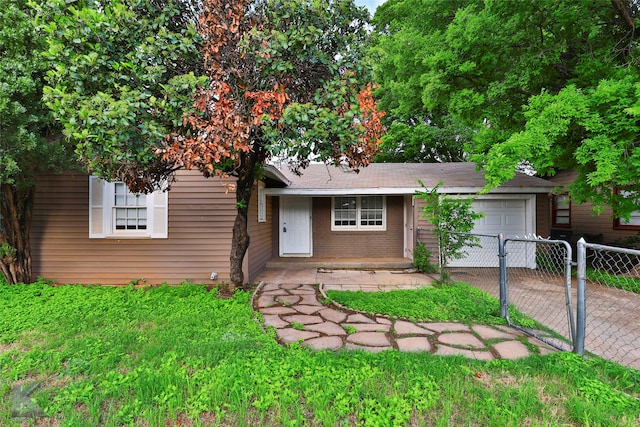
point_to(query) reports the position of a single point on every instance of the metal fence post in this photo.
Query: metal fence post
(504, 297)
(567, 282)
(578, 340)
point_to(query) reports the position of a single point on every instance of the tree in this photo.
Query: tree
(29, 139)
(277, 78)
(553, 83)
(453, 218)
(417, 140)
(415, 133)
(285, 79)
(123, 77)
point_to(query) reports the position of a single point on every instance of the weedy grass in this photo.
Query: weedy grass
(625, 282)
(446, 302)
(167, 356)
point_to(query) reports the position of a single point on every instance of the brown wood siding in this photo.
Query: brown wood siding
(543, 215)
(201, 217)
(423, 231)
(260, 249)
(595, 228)
(358, 244)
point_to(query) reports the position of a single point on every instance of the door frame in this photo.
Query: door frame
(409, 235)
(281, 225)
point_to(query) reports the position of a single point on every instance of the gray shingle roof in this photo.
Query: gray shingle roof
(402, 178)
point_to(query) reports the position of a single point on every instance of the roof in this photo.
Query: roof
(400, 178)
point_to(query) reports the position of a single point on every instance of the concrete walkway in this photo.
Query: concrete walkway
(296, 313)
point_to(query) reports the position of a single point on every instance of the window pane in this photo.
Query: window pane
(345, 212)
(131, 218)
(371, 202)
(562, 202)
(345, 203)
(371, 211)
(634, 220)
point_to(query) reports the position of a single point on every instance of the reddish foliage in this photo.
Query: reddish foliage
(230, 112)
(361, 153)
(270, 103)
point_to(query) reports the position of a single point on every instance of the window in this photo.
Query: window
(633, 223)
(262, 203)
(115, 212)
(561, 206)
(358, 213)
(129, 209)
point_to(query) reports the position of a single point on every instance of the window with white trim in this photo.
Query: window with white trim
(129, 209)
(358, 213)
(116, 212)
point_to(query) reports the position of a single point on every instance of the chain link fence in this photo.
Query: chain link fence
(609, 285)
(596, 310)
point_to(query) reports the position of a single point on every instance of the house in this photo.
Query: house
(570, 221)
(86, 230)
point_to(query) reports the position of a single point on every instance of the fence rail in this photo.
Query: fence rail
(589, 307)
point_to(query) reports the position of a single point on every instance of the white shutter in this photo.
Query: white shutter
(262, 202)
(101, 206)
(97, 214)
(158, 206)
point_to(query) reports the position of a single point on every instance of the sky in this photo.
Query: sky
(370, 4)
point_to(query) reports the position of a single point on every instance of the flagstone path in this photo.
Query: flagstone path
(295, 311)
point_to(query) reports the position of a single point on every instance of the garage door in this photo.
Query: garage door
(508, 217)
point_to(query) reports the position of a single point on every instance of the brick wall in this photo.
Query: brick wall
(358, 244)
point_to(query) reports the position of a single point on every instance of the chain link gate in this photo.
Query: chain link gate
(535, 280)
(533, 277)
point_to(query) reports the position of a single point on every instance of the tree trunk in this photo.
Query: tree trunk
(16, 207)
(240, 240)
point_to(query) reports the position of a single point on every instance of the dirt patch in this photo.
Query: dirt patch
(6, 348)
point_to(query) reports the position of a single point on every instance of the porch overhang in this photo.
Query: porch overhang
(393, 191)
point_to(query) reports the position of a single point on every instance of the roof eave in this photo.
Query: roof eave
(391, 191)
(274, 173)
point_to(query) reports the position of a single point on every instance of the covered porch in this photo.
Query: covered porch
(341, 263)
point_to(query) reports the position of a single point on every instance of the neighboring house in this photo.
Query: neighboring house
(570, 221)
(89, 231)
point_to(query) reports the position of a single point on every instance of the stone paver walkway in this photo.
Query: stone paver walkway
(296, 313)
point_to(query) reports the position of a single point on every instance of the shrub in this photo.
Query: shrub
(421, 256)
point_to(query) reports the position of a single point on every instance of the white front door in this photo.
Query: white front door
(295, 226)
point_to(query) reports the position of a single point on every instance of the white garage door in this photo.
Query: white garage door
(508, 217)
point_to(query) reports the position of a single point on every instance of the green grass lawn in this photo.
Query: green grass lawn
(180, 356)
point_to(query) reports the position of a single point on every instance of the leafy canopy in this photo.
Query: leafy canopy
(286, 78)
(124, 74)
(552, 83)
(416, 132)
(27, 132)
